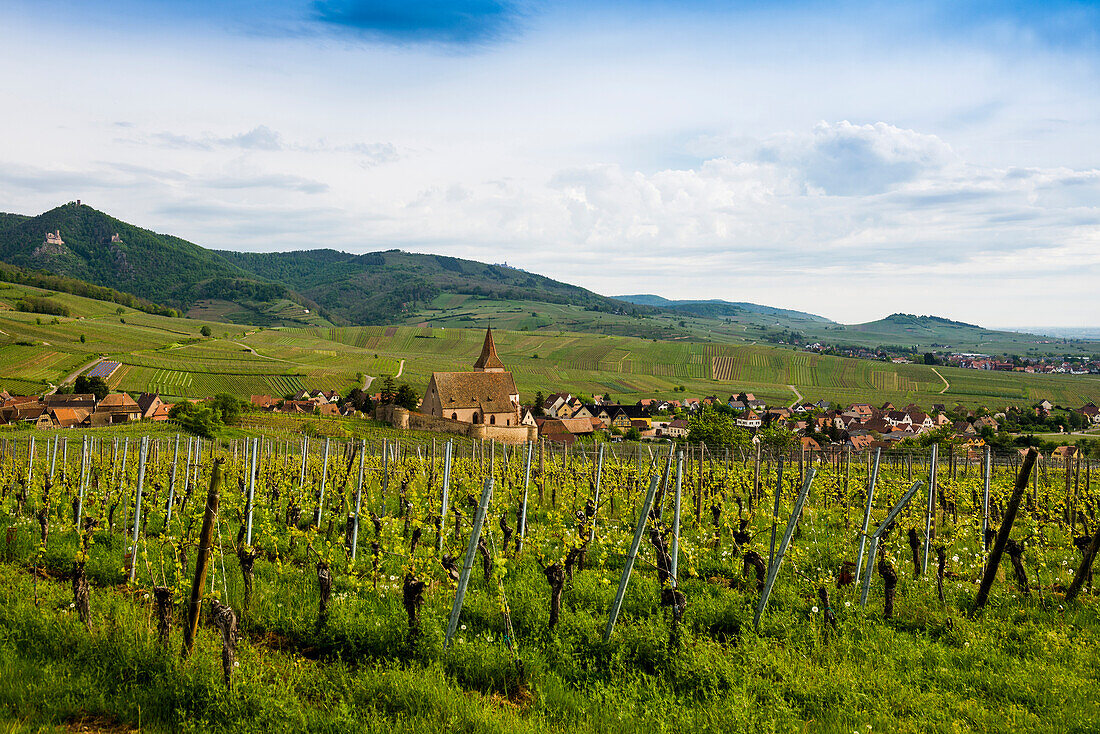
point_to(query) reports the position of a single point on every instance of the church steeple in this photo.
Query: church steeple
(488, 361)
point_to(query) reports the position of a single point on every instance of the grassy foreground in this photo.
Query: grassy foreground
(1022, 665)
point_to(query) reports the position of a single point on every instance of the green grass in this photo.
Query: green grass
(1024, 663)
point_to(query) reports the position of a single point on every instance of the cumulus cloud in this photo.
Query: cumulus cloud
(843, 159)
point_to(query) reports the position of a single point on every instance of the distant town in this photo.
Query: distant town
(484, 402)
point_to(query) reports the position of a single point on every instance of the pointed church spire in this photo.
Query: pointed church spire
(489, 361)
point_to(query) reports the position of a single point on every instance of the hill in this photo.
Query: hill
(378, 287)
(95, 247)
(719, 309)
(323, 288)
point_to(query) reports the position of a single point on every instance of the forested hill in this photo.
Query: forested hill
(100, 249)
(263, 288)
(375, 287)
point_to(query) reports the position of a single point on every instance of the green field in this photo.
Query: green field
(170, 356)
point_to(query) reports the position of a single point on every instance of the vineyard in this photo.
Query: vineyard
(170, 583)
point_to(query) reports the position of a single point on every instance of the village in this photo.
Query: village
(485, 402)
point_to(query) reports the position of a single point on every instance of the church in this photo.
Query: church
(487, 395)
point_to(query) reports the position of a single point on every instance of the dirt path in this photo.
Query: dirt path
(75, 374)
(400, 369)
(946, 384)
(798, 396)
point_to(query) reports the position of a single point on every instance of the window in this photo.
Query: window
(476, 418)
(454, 416)
(492, 420)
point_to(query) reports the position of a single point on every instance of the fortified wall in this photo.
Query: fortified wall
(403, 418)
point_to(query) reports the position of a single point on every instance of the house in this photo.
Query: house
(1090, 411)
(487, 395)
(68, 417)
(860, 442)
(297, 406)
(528, 418)
(148, 403)
(808, 444)
(74, 400)
(1046, 405)
(115, 408)
(985, 422)
(553, 403)
(552, 429)
(677, 429)
(862, 410)
(1064, 452)
(963, 428)
(582, 412)
(577, 426)
(263, 402)
(749, 420)
(692, 404)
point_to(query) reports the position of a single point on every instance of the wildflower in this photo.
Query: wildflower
(236, 663)
(955, 559)
(814, 610)
(463, 627)
(847, 603)
(71, 605)
(393, 578)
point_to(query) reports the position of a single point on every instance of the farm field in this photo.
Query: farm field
(171, 356)
(341, 630)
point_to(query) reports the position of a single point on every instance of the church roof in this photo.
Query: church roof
(488, 359)
(490, 391)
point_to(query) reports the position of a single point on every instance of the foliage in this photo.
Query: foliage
(97, 386)
(201, 419)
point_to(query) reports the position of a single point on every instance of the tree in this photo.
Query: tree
(228, 407)
(715, 428)
(205, 331)
(633, 434)
(406, 397)
(97, 386)
(930, 359)
(538, 411)
(778, 438)
(201, 419)
(389, 390)
(82, 339)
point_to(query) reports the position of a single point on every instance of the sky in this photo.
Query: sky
(848, 159)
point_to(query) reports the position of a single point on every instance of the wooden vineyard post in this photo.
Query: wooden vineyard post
(172, 485)
(468, 563)
(84, 462)
(867, 516)
(775, 507)
(205, 541)
(1006, 527)
(756, 476)
(596, 501)
(882, 528)
(987, 479)
(698, 491)
(673, 567)
(321, 497)
(359, 498)
(930, 510)
(526, 487)
(773, 568)
(1085, 568)
(251, 491)
(137, 506)
(386, 472)
(444, 499)
(624, 579)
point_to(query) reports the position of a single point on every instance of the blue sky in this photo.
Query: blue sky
(849, 159)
